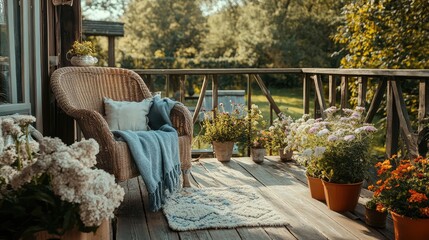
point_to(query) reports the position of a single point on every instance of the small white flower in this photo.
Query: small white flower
(322, 132)
(332, 138)
(349, 138)
(318, 151)
(307, 152)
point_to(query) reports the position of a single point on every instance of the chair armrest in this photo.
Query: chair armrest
(93, 125)
(182, 120)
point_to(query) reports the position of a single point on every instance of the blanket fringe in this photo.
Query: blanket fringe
(172, 180)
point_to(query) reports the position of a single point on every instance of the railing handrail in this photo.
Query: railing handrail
(398, 119)
(332, 71)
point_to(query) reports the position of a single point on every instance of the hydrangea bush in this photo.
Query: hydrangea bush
(49, 185)
(337, 148)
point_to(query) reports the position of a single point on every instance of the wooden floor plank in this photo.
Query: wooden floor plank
(230, 234)
(157, 223)
(276, 233)
(356, 228)
(131, 220)
(253, 233)
(298, 173)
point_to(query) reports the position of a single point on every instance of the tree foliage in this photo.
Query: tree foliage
(385, 34)
(163, 28)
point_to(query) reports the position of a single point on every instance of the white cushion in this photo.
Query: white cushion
(123, 115)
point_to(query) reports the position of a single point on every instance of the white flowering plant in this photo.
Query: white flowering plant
(279, 131)
(257, 134)
(337, 148)
(49, 186)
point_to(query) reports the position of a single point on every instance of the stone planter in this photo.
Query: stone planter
(258, 154)
(223, 150)
(83, 61)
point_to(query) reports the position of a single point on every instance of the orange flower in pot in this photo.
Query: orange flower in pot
(403, 188)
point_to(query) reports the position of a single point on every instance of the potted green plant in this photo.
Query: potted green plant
(337, 149)
(223, 129)
(402, 188)
(82, 54)
(50, 187)
(279, 130)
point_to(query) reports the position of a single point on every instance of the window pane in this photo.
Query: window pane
(10, 53)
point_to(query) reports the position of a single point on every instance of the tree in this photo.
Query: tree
(103, 9)
(163, 28)
(385, 34)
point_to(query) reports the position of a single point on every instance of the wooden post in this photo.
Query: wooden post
(423, 102)
(408, 135)
(111, 51)
(267, 94)
(344, 89)
(319, 96)
(362, 85)
(332, 90)
(306, 94)
(376, 100)
(214, 92)
(392, 131)
(200, 99)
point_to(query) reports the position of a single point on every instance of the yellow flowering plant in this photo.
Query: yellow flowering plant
(221, 126)
(81, 49)
(403, 186)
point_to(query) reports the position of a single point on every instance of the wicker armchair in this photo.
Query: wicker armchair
(79, 91)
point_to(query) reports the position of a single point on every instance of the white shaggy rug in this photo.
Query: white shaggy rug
(194, 208)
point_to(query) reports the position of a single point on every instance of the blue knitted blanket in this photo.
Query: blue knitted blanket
(156, 152)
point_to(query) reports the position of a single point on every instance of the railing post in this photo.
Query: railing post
(423, 102)
(182, 88)
(306, 93)
(344, 89)
(392, 131)
(320, 97)
(362, 85)
(214, 93)
(332, 90)
(200, 99)
(249, 105)
(167, 85)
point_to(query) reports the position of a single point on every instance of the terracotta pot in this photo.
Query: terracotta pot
(409, 228)
(342, 197)
(103, 232)
(223, 150)
(258, 154)
(375, 218)
(285, 156)
(316, 188)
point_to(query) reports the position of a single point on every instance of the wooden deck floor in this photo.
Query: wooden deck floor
(283, 184)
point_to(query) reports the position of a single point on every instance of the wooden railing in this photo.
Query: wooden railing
(328, 80)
